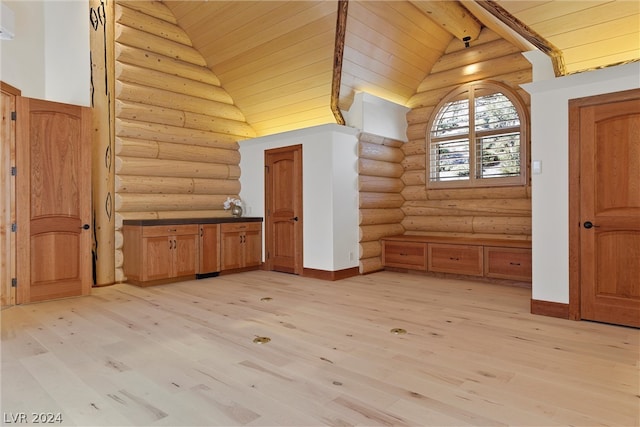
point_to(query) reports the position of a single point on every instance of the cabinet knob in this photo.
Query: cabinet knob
(86, 227)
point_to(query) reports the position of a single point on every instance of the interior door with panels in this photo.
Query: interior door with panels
(53, 201)
(605, 208)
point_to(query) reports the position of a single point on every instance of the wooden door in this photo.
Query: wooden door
(283, 200)
(7, 195)
(53, 185)
(605, 132)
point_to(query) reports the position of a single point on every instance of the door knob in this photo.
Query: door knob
(588, 224)
(295, 218)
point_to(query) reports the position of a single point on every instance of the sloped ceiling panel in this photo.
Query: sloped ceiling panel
(390, 48)
(275, 58)
(590, 34)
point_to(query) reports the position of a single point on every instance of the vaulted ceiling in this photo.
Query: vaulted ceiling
(276, 58)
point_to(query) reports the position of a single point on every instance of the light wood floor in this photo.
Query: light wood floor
(183, 354)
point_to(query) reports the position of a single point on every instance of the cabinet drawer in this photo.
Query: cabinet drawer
(508, 263)
(460, 259)
(405, 255)
(169, 230)
(240, 226)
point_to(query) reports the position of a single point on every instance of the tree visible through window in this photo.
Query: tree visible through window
(477, 137)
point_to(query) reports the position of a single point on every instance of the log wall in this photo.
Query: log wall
(503, 212)
(176, 129)
(380, 189)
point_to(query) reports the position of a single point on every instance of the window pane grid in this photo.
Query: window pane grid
(498, 156)
(453, 119)
(450, 160)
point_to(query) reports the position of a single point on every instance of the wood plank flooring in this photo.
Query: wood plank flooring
(183, 354)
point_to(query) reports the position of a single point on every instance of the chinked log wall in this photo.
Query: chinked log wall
(176, 128)
(503, 212)
(380, 188)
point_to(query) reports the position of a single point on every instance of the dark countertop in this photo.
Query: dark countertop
(180, 221)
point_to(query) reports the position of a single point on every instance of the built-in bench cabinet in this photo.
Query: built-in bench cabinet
(493, 258)
(168, 250)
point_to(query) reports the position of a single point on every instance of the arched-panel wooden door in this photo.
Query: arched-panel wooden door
(53, 186)
(605, 208)
(283, 200)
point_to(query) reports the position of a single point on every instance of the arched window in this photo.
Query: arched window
(477, 137)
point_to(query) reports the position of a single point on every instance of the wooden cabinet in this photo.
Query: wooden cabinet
(209, 245)
(493, 258)
(459, 259)
(507, 263)
(240, 245)
(160, 253)
(411, 255)
(179, 249)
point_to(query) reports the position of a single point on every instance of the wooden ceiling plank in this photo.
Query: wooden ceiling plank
(402, 17)
(452, 16)
(602, 49)
(254, 90)
(516, 6)
(270, 67)
(379, 40)
(606, 30)
(269, 26)
(394, 74)
(204, 32)
(551, 10)
(269, 106)
(279, 51)
(587, 17)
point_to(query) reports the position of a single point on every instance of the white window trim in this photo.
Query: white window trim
(473, 182)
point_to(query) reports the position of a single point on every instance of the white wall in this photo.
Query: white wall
(550, 189)
(330, 191)
(49, 58)
(378, 116)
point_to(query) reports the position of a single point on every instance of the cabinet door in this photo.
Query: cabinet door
(252, 243)
(459, 259)
(158, 258)
(185, 255)
(411, 255)
(209, 248)
(507, 263)
(231, 249)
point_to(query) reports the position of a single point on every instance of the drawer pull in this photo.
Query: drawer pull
(454, 259)
(402, 254)
(514, 263)
(172, 230)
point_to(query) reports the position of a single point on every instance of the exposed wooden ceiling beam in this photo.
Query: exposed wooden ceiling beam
(507, 26)
(452, 17)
